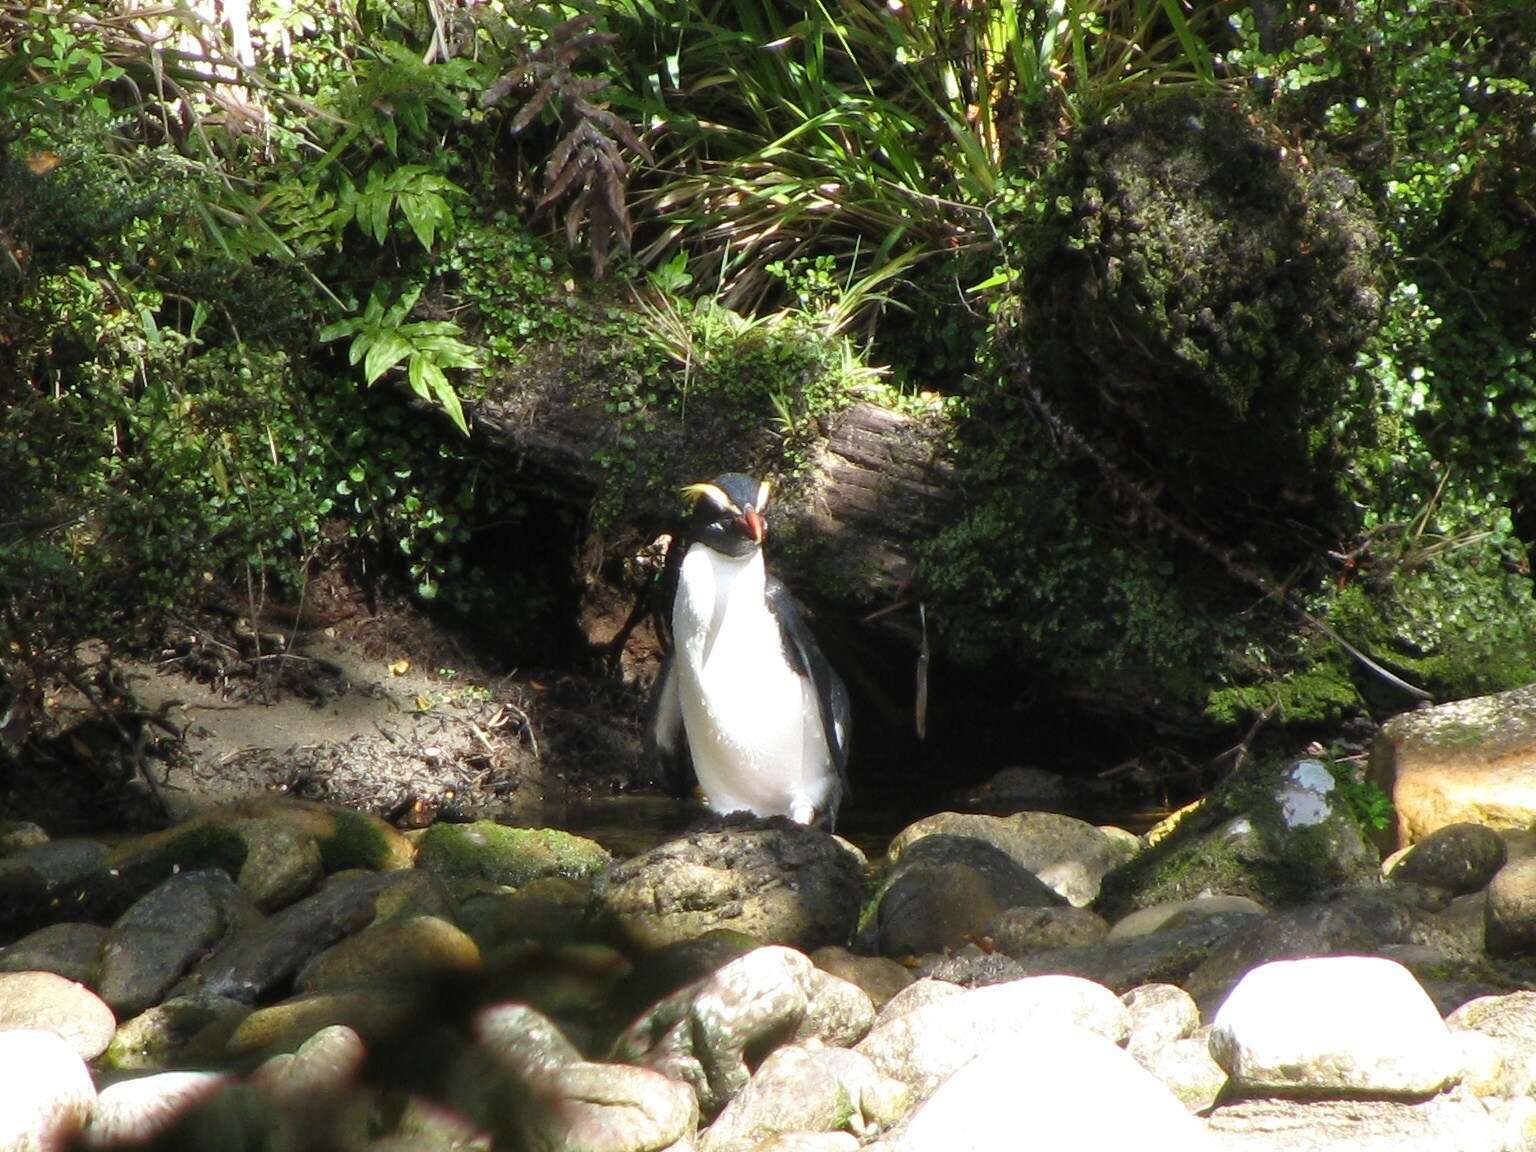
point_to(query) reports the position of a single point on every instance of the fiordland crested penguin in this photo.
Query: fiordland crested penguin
(766, 718)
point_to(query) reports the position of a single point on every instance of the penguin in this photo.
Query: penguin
(747, 695)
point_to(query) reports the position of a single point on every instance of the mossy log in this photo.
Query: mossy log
(867, 490)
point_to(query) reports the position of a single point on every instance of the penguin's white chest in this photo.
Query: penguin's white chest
(753, 723)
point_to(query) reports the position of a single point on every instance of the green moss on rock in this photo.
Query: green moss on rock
(486, 850)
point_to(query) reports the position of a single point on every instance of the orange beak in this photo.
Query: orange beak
(753, 523)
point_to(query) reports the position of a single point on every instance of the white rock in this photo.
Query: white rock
(1450, 1122)
(134, 1111)
(53, 1004)
(927, 1044)
(1187, 1069)
(1160, 1014)
(1333, 1026)
(1060, 1089)
(46, 1094)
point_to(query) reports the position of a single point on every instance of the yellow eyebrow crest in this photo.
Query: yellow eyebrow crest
(713, 493)
(763, 490)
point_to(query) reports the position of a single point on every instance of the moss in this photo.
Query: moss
(1318, 693)
(362, 840)
(511, 856)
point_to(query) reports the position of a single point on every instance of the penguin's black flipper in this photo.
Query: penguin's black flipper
(666, 744)
(805, 656)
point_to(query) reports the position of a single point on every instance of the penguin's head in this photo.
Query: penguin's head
(728, 514)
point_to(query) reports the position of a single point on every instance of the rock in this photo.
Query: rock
(19, 835)
(808, 1142)
(1177, 913)
(69, 950)
(372, 1013)
(1067, 855)
(1160, 1014)
(250, 963)
(138, 1111)
(1276, 833)
(321, 1069)
(659, 973)
(923, 1046)
(159, 1036)
(163, 933)
(539, 1093)
(486, 850)
(1333, 1026)
(1509, 915)
(945, 889)
(701, 1034)
(1458, 858)
(49, 1003)
(404, 950)
(779, 882)
(282, 862)
(1452, 1122)
(913, 997)
(549, 911)
(1470, 761)
(808, 1090)
(1066, 1087)
(1020, 931)
(1169, 955)
(879, 977)
(54, 881)
(1185, 1067)
(46, 1094)
(970, 967)
(1358, 922)
(1508, 1023)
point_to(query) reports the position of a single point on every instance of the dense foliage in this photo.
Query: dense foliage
(1232, 305)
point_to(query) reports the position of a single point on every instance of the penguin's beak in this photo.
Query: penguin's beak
(752, 524)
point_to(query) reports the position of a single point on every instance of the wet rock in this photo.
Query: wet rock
(1509, 915)
(137, 1111)
(372, 1013)
(923, 1046)
(1178, 913)
(1452, 1122)
(1359, 922)
(1458, 858)
(808, 1090)
(403, 950)
(68, 950)
(46, 1094)
(1070, 1088)
(1016, 788)
(1169, 955)
(1185, 1067)
(19, 835)
(282, 862)
(550, 911)
(1160, 1014)
(486, 850)
(1466, 761)
(163, 933)
(1067, 855)
(55, 881)
(1333, 1026)
(781, 883)
(1020, 931)
(159, 1036)
(945, 889)
(251, 963)
(1278, 833)
(879, 977)
(701, 1034)
(49, 1003)
(537, 1092)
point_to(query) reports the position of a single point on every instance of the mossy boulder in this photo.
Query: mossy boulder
(489, 851)
(1280, 832)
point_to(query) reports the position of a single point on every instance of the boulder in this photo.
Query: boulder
(804, 1090)
(1187, 1070)
(779, 882)
(44, 1002)
(372, 1013)
(1058, 1089)
(69, 950)
(46, 1094)
(1354, 1026)
(1468, 761)
(1169, 955)
(945, 889)
(1177, 913)
(1509, 914)
(159, 1037)
(1457, 858)
(1021, 931)
(1068, 855)
(402, 950)
(282, 862)
(489, 851)
(924, 1045)
(701, 1035)
(880, 977)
